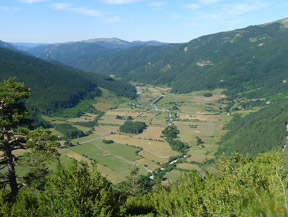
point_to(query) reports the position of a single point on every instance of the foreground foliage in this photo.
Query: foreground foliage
(241, 186)
(237, 187)
(77, 191)
(257, 132)
(15, 134)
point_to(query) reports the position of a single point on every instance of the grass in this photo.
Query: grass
(117, 157)
(153, 133)
(161, 149)
(84, 118)
(86, 138)
(112, 176)
(104, 130)
(173, 175)
(188, 166)
(110, 119)
(23, 170)
(116, 160)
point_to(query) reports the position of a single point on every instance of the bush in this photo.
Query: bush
(208, 94)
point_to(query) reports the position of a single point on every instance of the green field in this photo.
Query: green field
(117, 157)
(195, 116)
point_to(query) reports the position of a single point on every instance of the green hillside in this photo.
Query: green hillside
(55, 86)
(253, 58)
(257, 132)
(7, 45)
(72, 54)
(240, 60)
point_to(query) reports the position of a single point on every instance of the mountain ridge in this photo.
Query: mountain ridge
(55, 86)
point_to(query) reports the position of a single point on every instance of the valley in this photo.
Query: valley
(108, 127)
(195, 116)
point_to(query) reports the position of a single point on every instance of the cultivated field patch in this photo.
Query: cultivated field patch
(146, 154)
(84, 118)
(153, 133)
(111, 175)
(173, 175)
(103, 130)
(188, 166)
(110, 119)
(161, 149)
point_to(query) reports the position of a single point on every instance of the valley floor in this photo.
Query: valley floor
(195, 116)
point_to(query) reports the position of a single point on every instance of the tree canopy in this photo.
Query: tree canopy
(15, 133)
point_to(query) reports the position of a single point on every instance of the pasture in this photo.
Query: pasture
(194, 115)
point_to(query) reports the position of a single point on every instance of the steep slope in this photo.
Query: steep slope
(7, 45)
(116, 43)
(72, 54)
(83, 54)
(24, 46)
(257, 132)
(240, 60)
(253, 58)
(55, 86)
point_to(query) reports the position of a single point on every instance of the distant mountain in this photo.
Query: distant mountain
(72, 54)
(55, 86)
(116, 43)
(24, 46)
(83, 54)
(252, 61)
(7, 45)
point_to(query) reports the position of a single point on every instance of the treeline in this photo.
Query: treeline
(55, 86)
(256, 132)
(234, 187)
(170, 133)
(69, 131)
(249, 61)
(133, 127)
(90, 123)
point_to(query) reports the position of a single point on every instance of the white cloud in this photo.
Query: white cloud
(119, 2)
(193, 6)
(228, 10)
(60, 6)
(115, 19)
(200, 3)
(241, 8)
(207, 2)
(85, 11)
(157, 4)
(33, 1)
(10, 8)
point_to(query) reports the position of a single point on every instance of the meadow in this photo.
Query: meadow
(195, 116)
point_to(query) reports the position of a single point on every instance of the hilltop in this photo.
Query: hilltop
(55, 86)
(242, 60)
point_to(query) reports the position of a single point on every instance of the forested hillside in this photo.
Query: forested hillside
(7, 45)
(242, 60)
(257, 132)
(72, 54)
(55, 86)
(83, 54)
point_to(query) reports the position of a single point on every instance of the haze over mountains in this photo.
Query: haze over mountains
(253, 58)
(144, 141)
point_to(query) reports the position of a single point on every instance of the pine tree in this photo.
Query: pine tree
(15, 134)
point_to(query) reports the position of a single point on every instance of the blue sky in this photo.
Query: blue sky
(52, 21)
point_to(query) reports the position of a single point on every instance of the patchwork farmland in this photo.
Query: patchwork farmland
(195, 116)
